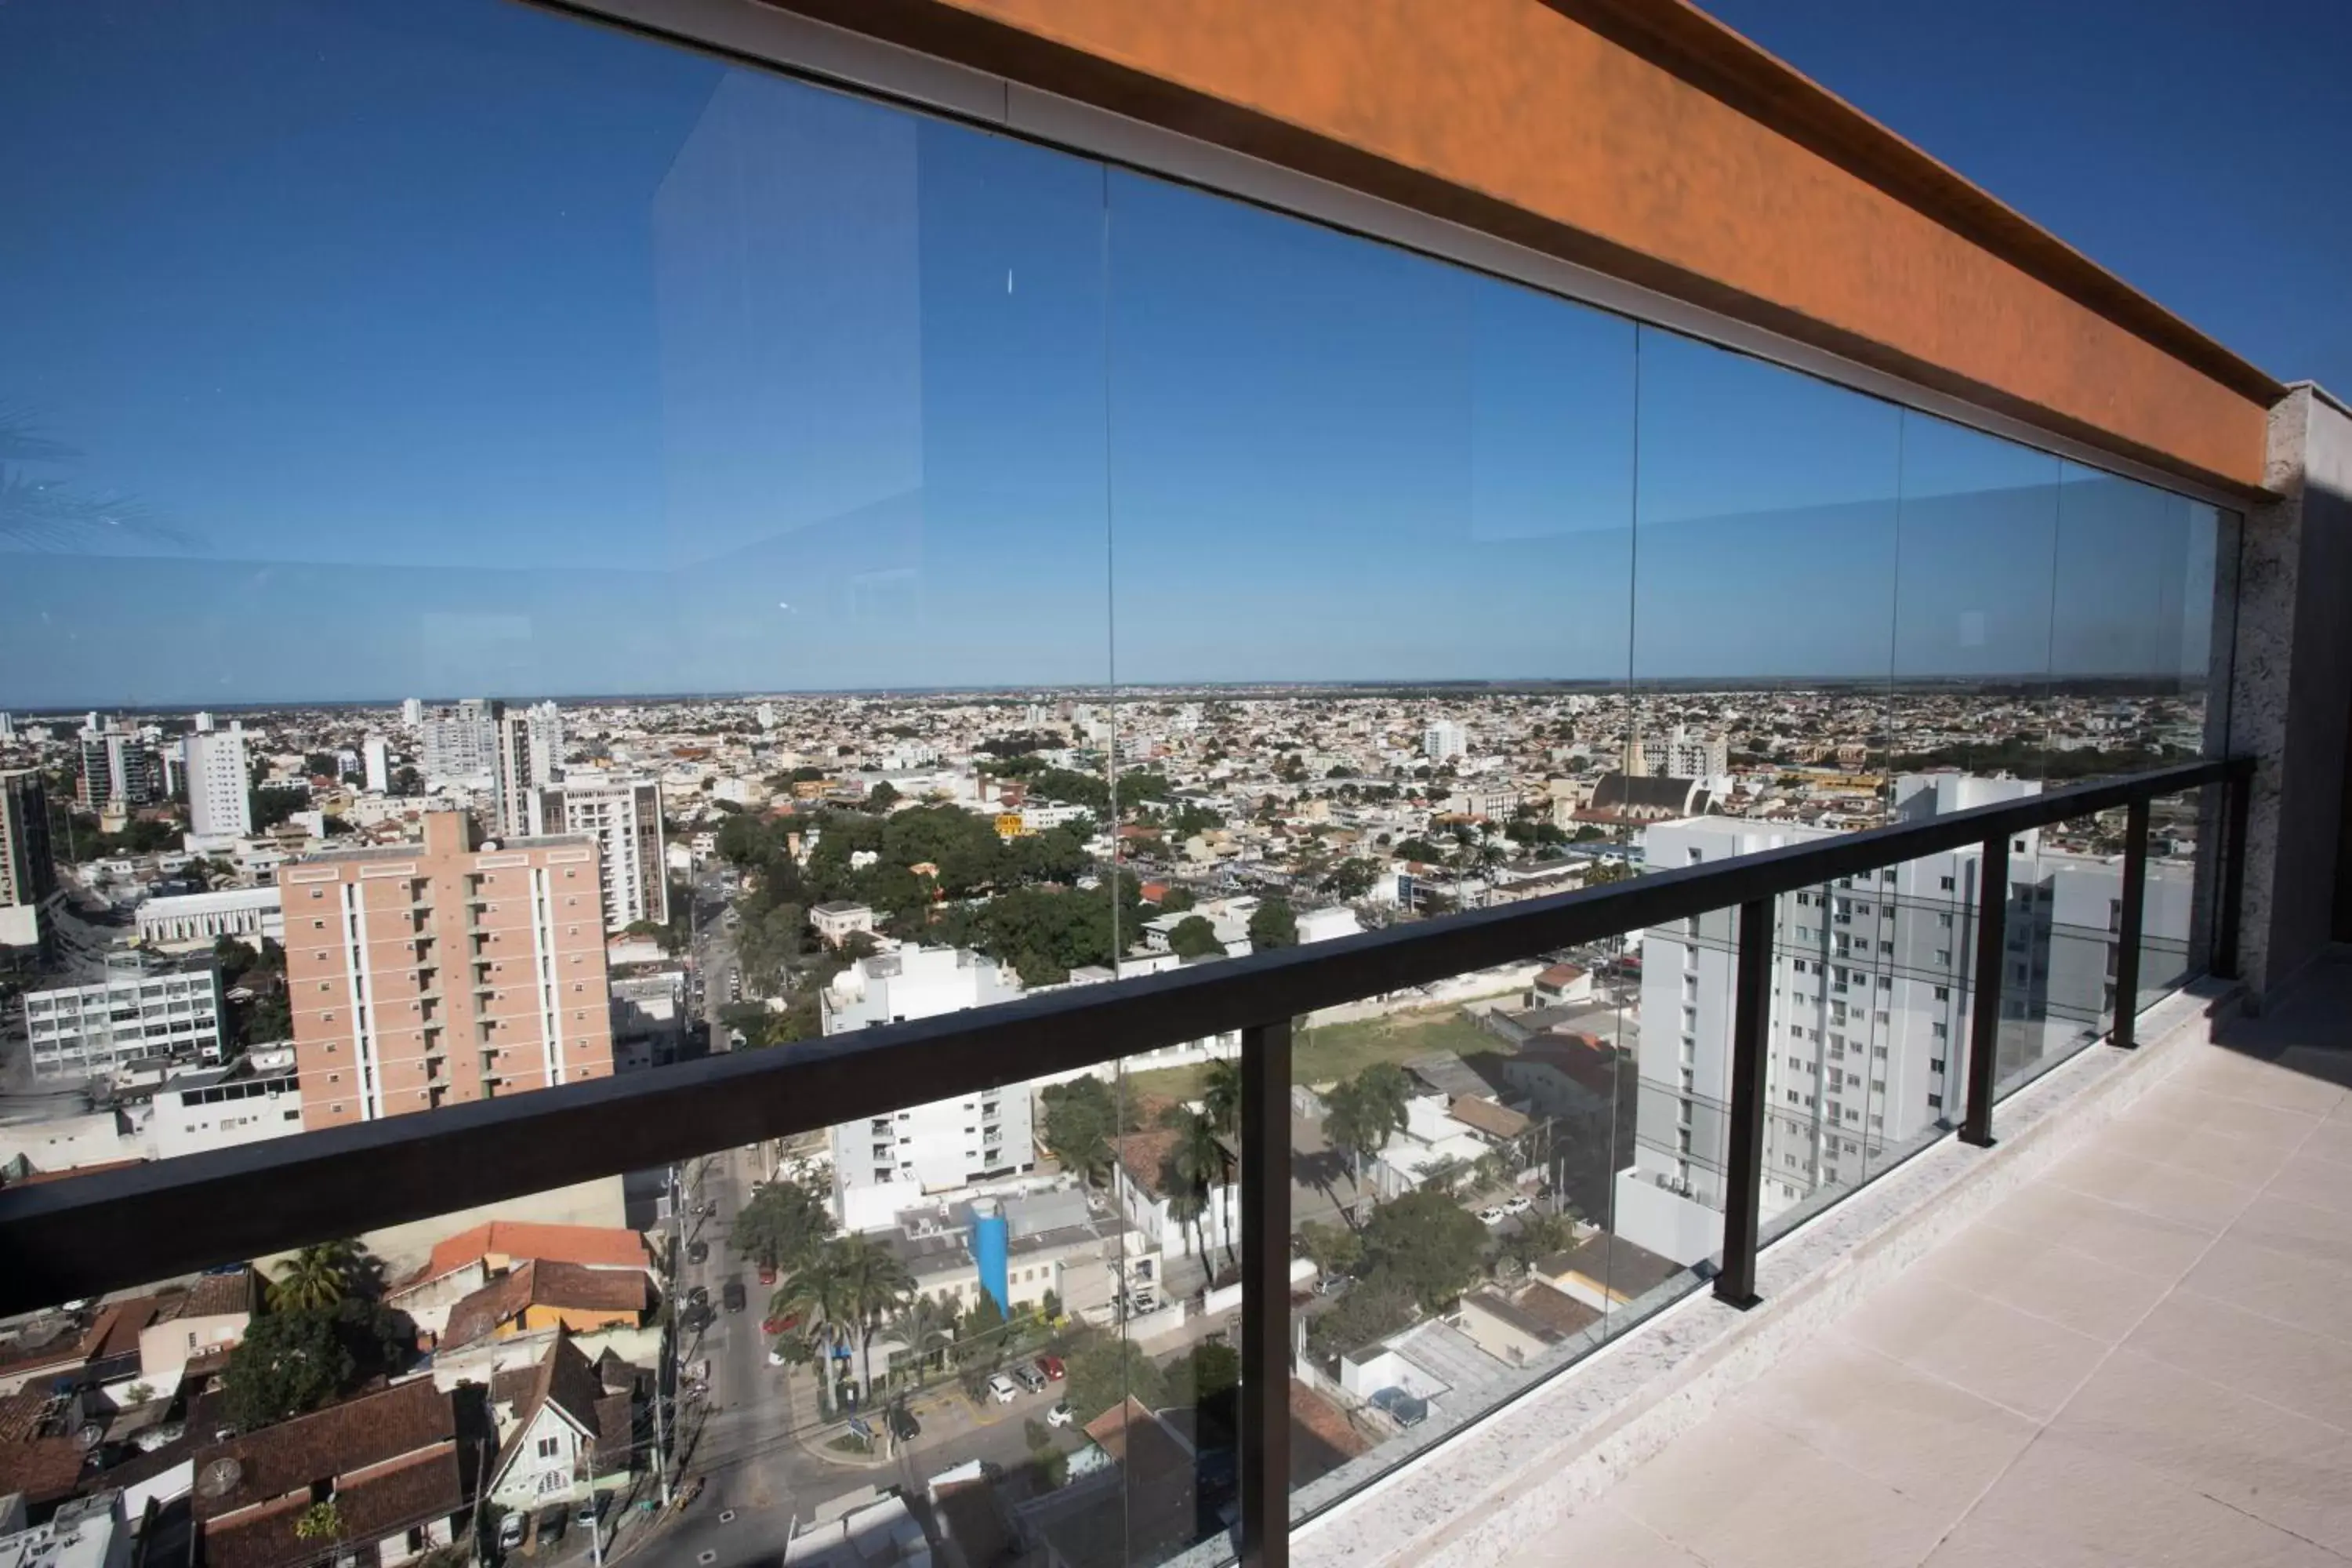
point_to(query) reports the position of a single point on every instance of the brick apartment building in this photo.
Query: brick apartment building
(451, 971)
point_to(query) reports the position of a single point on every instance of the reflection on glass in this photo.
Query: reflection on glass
(651, 558)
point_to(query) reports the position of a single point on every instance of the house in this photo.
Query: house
(1517, 1326)
(1432, 1361)
(1140, 1502)
(50, 1351)
(1139, 1175)
(464, 1263)
(196, 1329)
(1324, 925)
(565, 1427)
(1560, 985)
(549, 1295)
(838, 921)
(1431, 1141)
(395, 1465)
(40, 1459)
(1605, 1271)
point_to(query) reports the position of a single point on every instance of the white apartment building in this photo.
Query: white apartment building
(1870, 1012)
(1445, 739)
(88, 1031)
(412, 711)
(219, 802)
(625, 816)
(116, 769)
(463, 745)
(1496, 801)
(1689, 755)
(198, 919)
(378, 753)
(894, 1161)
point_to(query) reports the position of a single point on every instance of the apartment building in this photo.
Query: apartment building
(377, 753)
(462, 744)
(220, 803)
(891, 1162)
(1444, 741)
(623, 815)
(79, 1032)
(28, 876)
(1871, 981)
(116, 769)
(444, 971)
(198, 919)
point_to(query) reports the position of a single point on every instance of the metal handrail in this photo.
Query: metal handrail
(112, 1228)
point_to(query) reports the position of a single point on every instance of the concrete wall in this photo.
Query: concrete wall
(2292, 685)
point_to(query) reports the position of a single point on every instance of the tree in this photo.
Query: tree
(823, 1301)
(1221, 1107)
(1105, 1369)
(288, 1362)
(1364, 1111)
(320, 1522)
(1334, 1249)
(319, 1276)
(874, 1286)
(1176, 900)
(1210, 1371)
(1082, 1116)
(1351, 879)
(1272, 924)
(1194, 937)
(1601, 873)
(782, 1226)
(882, 796)
(1193, 1163)
(926, 1324)
(1373, 1309)
(406, 780)
(1425, 1244)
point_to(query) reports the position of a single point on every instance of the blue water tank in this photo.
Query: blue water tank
(988, 1250)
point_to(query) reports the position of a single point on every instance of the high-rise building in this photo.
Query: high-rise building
(513, 778)
(543, 724)
(379, 765)
(887, 1163)
(116, 769)
(429, 975)
(7, 726)
(1444, 740)
(219, 799)
(461, 745)
(412, 711)
(28, 874)
(623, 815)
(203, 722)
(1690, 755)
(1871, 980)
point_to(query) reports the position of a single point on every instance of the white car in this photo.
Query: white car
(1490, 1216)
(1060, 1414)
(1519, 1205)
(1001, 1389)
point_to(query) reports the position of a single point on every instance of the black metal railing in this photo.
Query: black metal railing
(114, 1228)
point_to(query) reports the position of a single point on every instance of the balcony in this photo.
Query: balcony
(1773, 1276)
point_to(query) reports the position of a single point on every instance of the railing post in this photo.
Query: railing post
(1751, 1022)
(1265, 1296)
(1984, 1012)
(2236, 801)
(2128, 935)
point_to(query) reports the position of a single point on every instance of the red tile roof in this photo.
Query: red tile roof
(593, 1246)
(562, 1285)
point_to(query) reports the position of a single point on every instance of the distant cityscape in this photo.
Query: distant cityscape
(231, 926)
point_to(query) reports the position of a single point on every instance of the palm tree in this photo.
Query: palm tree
(875, 1284)
(1221, 1103)
(319, 1276)
(1196, 1162)
(819, 1295)
(928, 1325)
(1185, 1206)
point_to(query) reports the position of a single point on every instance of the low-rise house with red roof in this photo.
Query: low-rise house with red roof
(462, 1264)
(565, 1427)
(396, 1468)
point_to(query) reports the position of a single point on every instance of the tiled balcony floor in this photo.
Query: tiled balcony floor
(2142, 1357)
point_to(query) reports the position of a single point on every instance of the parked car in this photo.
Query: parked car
(1409, 1409)
(1030, 1378)
(767, 1275)
(697, 1252)
(1001, 1389)
(511, 1528)
(1490, 1216)
(551, 1524)
(1060, 1415)
(591, 1508)
(903, 1425)
(731, 1295)
(1051, 1365)
(1520, 1204)
(700, 1295)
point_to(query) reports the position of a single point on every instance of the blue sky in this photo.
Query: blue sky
(459, 348)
